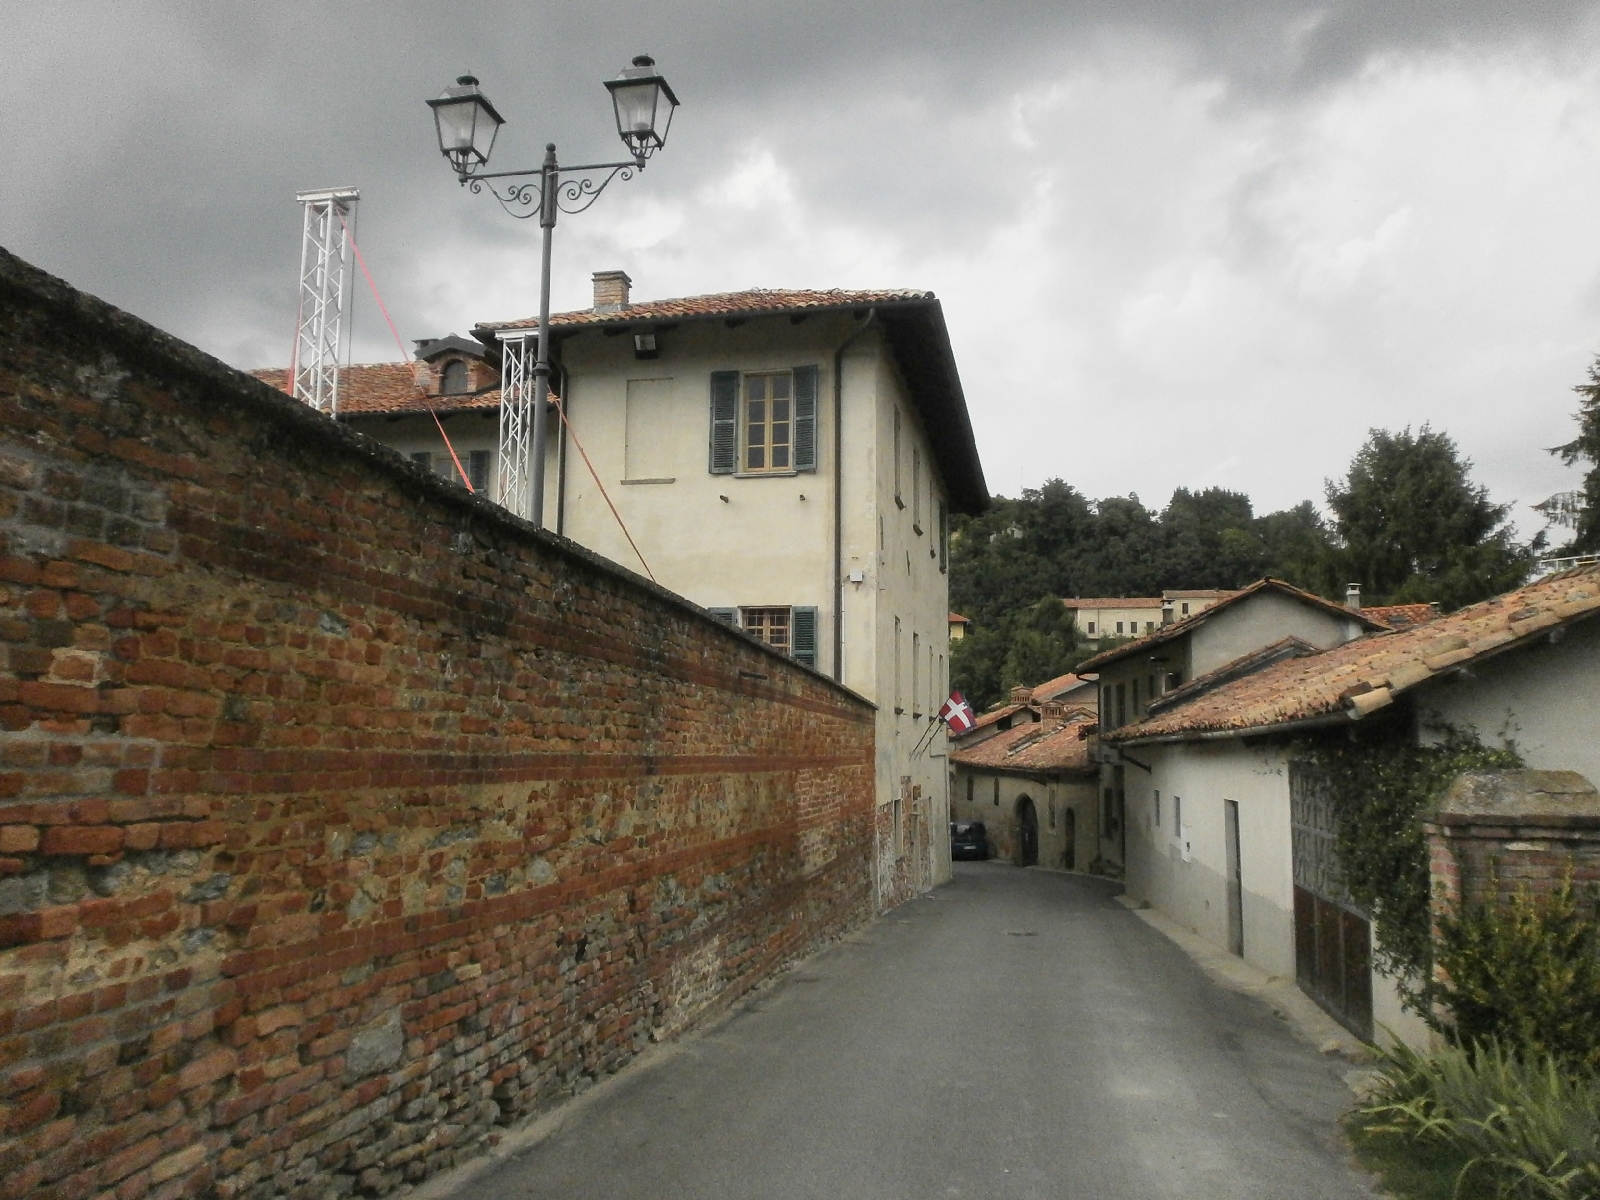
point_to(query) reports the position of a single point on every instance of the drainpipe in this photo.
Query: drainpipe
(838, 489)
(561, 453)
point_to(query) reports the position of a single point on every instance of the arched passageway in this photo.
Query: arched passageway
(1027, 833)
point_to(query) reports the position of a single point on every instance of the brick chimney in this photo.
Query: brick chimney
(1021, 695)
(611, 291)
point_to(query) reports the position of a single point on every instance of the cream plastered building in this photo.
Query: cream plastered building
(787, 460)
(1095, 618)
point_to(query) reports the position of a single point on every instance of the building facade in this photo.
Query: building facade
(787, 460)
(1033, 786)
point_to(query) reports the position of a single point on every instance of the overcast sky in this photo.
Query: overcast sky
(1178, 242)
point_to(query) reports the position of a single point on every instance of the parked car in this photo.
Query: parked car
(968, 839)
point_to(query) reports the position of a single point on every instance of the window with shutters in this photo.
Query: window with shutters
(897, 498)
(771, 625)
(791, 630)
(916, 490)
(478, 469)
(764, 423)
(944, 539)
(916, 674)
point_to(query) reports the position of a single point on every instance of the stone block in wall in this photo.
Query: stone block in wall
(1512, 829)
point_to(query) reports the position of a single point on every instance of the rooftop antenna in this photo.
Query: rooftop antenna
(324, 262)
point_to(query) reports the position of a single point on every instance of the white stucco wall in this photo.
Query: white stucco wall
(1193, 892)
(1542, 697)
(1258, 621)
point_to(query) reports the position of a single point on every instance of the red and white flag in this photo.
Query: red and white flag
(957, 714)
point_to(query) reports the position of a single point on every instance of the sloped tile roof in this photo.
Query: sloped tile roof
(1398, 616)
(379, 388)
(1051, 746)
(1365, 675)
(995, 714)
(1190, 623)
(1115, 602)
(957, 619)
(720, 304)
(1052, 688)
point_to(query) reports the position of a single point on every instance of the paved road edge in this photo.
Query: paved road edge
(1283, 996)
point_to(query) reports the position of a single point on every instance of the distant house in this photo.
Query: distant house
(1229, 835)
(1033, 786)
(1095, 619)
(1026, 706)
(958, 626)
(1269, 618)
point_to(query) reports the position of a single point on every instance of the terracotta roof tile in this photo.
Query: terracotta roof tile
(1186, 625)
(1115, 602)
(1398, 616)
(995, 714)
(958, 619)
(751, 302)
(371, 388)
(1052, 688)
(1051, 746)
(1365, 675)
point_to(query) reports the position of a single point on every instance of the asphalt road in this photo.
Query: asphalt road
(1017, 1034)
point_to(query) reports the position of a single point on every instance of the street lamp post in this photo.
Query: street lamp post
(467, 124)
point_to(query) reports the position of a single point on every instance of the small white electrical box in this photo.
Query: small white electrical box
(858, 576)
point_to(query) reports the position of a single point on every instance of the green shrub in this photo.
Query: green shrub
(1524, 1125)
(1526, 972)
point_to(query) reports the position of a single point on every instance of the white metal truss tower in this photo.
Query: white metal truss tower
(519, 352)
(324, 265)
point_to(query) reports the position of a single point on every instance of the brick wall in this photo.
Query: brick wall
(342, 817)
(1498, 831)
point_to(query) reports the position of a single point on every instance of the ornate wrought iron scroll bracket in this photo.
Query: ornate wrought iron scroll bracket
(572, 196)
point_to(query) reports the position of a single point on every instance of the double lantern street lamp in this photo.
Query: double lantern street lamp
(467, 124)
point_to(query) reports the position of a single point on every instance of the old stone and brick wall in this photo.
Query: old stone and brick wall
(1497, 832)
(342, 817)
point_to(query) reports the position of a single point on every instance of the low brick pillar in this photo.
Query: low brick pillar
(1516, 828)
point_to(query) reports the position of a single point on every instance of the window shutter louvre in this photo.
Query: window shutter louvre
(803, 635)
(805, 418)
(729, 616)
(724, 422)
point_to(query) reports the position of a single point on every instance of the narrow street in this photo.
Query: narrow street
(1016, 1034)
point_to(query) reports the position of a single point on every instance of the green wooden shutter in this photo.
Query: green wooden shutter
(803, 635)
(729, 615)
(724, 422)
(805, 418)
(944, 538)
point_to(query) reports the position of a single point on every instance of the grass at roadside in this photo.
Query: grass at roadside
(1408, 1169)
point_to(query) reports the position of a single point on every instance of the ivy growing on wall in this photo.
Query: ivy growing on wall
(1382, 785)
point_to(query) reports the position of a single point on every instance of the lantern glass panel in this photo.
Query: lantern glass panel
(636, 110)
(456, 119)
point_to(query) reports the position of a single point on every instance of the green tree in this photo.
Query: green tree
(1209, 539)
(1413, 526)
(1585, 448)
(1299, 548)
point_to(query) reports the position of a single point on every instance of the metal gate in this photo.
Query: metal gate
(1332, 936)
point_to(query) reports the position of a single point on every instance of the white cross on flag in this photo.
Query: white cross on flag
(957, 714)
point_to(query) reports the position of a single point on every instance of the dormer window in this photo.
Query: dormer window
(453, 379)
